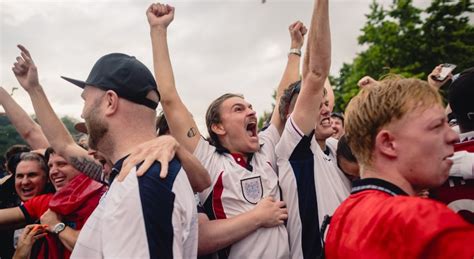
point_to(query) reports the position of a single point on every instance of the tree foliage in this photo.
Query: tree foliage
(9, 136)
(410, 41)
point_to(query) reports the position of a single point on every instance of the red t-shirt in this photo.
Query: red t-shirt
(377, 222)
(36, 206)
(74, 203)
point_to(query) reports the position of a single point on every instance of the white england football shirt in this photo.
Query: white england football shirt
(235, 189)
(312, 186)
(143, 217)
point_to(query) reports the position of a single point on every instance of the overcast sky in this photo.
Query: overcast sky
(216, 46)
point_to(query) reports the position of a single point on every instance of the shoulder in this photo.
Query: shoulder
(40, 199)
(421, 214)
(152, 175)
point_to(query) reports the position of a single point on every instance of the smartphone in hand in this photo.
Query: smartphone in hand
(446, 68)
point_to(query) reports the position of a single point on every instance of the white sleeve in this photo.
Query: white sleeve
(463, 165)
(212, 161)
(184, 219)
(290, 138)
(269, 138)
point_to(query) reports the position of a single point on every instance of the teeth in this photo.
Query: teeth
(58, 180)
(326, 122)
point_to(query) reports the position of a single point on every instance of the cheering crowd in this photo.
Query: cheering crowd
(391, 177)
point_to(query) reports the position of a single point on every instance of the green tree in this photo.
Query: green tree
(409, 41)
(9, 136)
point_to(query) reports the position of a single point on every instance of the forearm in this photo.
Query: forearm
(11, 218)
(315, 70)
(69, 237)
(197, 175)
(54, 130)
(29, 130)
(290, 75)
(218, 234)
(180, 121)
(319, 43)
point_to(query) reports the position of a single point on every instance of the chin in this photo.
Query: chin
(252, 148)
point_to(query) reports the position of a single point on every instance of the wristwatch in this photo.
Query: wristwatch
(58, 228)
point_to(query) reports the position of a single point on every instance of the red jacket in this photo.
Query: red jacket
(74, 203)
(379, 221)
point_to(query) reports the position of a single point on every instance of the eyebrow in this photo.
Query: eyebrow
(238, 104)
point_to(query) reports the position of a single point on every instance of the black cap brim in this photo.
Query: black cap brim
(79, 83)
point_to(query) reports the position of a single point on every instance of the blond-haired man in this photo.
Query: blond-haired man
(399, 133)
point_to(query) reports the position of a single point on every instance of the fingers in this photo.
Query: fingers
(124, 172)
(23, 49)
(35, 231)
(365, 81)
(281, 204)
(303, 30)
(290, 28)
(296, 26)
(160, 9)
(36, 237)
(164, 168)
(283, 216)
(144, 167)
(29, 228)
(25, 53)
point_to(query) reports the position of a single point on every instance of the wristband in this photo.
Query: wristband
(295, 51)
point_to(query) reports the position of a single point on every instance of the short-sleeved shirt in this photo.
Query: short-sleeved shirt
(237, 187)
(143, 217)
(312, 185)
(74, 203)
(35, 207)
(379, 220)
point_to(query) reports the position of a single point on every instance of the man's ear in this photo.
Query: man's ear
(112, 102)
(385, 143)
(218, 129)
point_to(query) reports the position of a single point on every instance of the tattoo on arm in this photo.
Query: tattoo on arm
(89, 167)
(191, 132)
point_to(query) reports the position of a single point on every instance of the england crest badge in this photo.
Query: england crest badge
(252, 189)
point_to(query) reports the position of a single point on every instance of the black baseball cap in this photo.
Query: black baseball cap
(123, 74)
(461, 96)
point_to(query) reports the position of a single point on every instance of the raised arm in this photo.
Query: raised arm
(59, 138)
(292, 70)
(180, 121)
(29, 130)
(316, 66)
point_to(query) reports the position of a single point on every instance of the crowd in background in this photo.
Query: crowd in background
(390, 177)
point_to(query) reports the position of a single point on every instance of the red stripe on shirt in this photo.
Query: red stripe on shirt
(217, 198)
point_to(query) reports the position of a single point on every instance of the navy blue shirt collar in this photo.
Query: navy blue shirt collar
(116, 169)
(376, 184)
